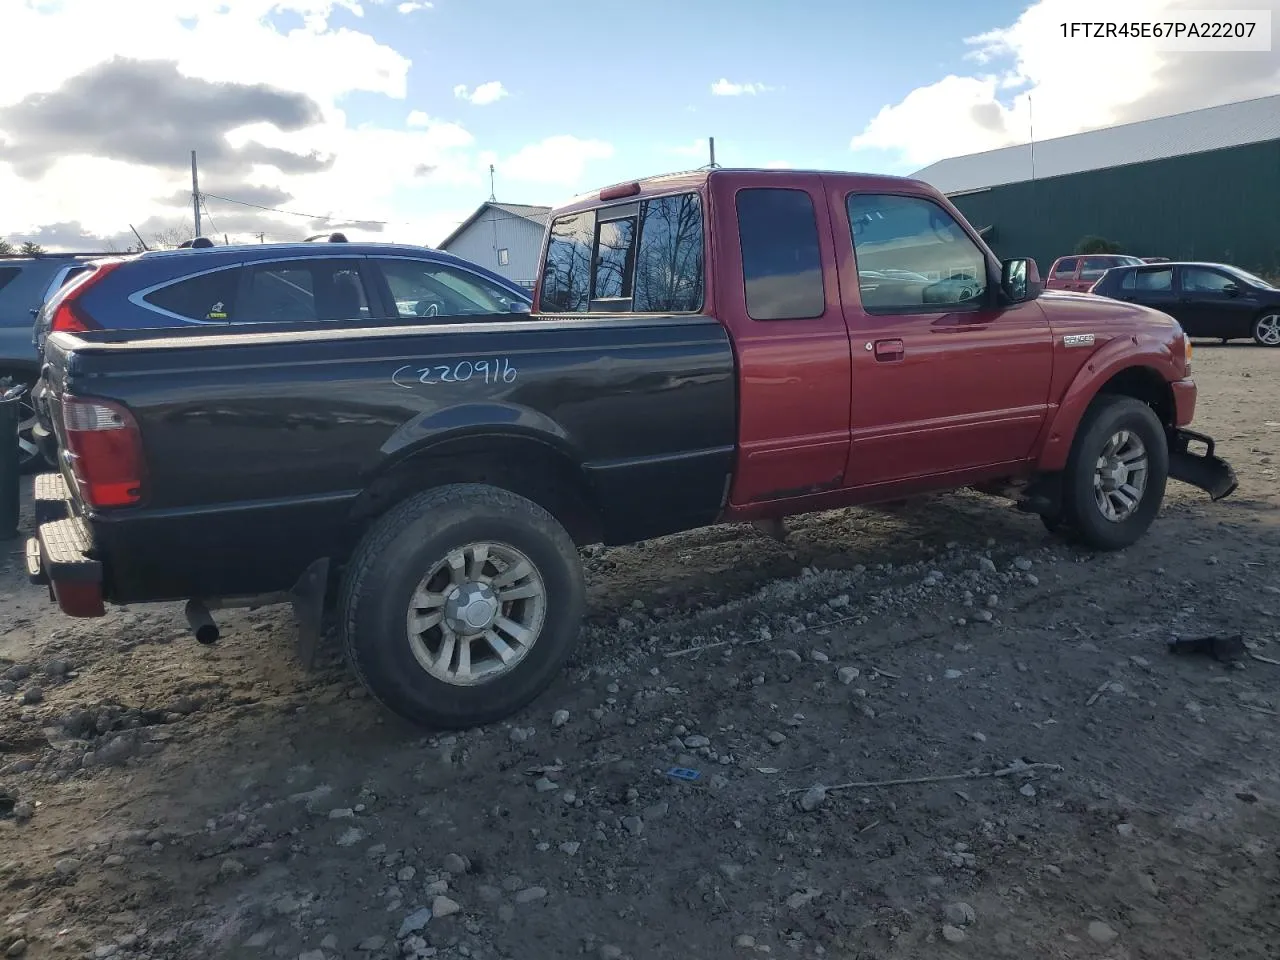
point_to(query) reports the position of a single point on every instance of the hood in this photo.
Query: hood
(1087, 309)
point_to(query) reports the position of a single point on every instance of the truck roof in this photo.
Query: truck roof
(668, 183)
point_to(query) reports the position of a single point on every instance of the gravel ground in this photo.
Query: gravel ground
(1105, 798)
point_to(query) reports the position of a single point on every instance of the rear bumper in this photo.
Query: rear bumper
(60, 555)
(1207, 471)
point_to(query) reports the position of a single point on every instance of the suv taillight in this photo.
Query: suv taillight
(68, 315)
(104, 449)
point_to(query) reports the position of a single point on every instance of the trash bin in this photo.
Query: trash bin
(10, 418)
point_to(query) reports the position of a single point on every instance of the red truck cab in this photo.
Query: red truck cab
(882, 349)
(1079, 273)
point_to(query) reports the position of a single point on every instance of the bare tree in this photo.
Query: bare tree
(169, 238)
(30, 248)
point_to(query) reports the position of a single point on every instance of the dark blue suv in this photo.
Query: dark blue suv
(280, 283)
(277, 283)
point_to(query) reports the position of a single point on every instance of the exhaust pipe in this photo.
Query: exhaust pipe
(201, 622)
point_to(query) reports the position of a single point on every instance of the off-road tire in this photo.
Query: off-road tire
(401, 548)
(1107, 415)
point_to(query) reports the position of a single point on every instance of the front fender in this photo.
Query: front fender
(1121, 354)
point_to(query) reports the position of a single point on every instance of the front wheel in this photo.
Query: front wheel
(1266, 330)
(1116, 473)
(461, 605)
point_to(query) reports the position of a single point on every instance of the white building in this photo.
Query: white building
(503, 237)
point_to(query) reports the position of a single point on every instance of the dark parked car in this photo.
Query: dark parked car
(1208, 299)
(694, 357)
(201, 286)
(25, 283)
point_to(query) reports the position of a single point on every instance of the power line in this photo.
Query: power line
(298, 213)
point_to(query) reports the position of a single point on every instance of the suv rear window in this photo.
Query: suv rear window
(644, 257)
(7, 274)
(205, 298)
(1094, 267)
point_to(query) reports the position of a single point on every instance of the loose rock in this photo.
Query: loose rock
(530, 894)
(847, 675)
(457, 864)
(1101, 932)
(959, 914)
(813, 798)
(444, 907)
(559, 718)
(370, 944)
(414, 922)
(953, 934)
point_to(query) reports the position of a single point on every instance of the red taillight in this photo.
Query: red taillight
(68, 315)
(104, 449)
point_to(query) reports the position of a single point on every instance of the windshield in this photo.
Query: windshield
(1250, 278)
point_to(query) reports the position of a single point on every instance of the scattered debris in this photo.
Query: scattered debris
(973, 775)
(1226, 649)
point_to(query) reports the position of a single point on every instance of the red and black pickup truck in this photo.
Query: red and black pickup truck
(725, 345)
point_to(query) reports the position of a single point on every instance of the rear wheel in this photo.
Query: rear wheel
(1266, 330)
(461, 605)
(1116, 473)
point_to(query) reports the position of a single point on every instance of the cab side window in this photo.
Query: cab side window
(1066, 269)
(781, 259)
(913, 256)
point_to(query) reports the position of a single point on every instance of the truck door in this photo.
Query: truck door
(944, 380)
(779, 297)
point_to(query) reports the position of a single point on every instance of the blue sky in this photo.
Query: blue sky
(392, 110)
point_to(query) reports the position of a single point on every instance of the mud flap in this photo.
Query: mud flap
(1210, 473)
(307, 598)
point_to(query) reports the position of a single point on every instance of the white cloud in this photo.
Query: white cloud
(412, 7)
(482, 95)
(1028, 71)
(726, 88)
(373, 168)
(560, 160)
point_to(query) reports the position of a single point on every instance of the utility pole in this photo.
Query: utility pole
(493, 194)
(711, 143)
(195, 192)
(262, 238)
(1031, 125)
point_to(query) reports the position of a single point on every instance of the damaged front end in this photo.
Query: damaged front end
(1207, 471)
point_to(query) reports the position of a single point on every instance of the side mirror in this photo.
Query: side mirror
(1020, 280)
(518, 306)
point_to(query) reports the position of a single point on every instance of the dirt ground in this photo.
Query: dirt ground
(163, 800)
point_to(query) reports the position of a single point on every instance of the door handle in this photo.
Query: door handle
(887, 350)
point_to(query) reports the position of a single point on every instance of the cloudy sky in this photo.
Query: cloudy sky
(383, 116)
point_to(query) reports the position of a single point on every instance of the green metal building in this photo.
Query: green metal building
(1202, 185)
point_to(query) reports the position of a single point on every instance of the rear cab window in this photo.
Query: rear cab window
(1065, 268)
(640, 257)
